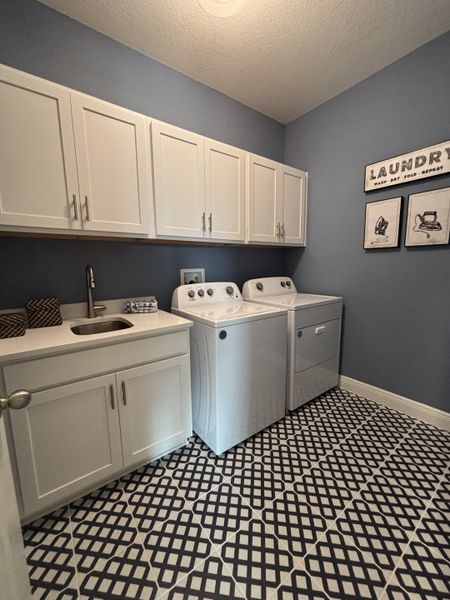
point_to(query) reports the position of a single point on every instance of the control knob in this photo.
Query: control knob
(259, 286)
(191, 293)
(288, 283)
(201, 293)
(230, 290)
(210, 291)
(283, 283)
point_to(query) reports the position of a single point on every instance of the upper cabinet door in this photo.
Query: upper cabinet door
(38, 179)
(264, 211)
(179, 182)
(293, 192)
(225, 191)
(112, 166)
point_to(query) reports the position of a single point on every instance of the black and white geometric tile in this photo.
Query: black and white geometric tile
(344, 467)
(295, 522)
(177, 547)
(420, 572)
(210, 581)
(258, 485)
(373, 533)
(341, 499)
(389, 498)
(196, 477)
(222, 512)
(287, 464)
(324, 493)
(345, 572)
(257, 559)
(124, 577)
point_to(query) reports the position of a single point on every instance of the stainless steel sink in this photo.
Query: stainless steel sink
(100, 327)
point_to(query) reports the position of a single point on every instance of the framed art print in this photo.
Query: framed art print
(428, 221)
(382, 223)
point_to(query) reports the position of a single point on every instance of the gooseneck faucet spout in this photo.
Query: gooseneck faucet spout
(92, 308)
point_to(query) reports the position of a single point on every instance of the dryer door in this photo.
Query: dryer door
(316, 344)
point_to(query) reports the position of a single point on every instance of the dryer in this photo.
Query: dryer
(238, 362)
(314, 333)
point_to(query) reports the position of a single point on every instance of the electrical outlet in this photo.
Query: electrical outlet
(192, 276)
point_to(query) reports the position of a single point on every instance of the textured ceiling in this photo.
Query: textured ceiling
(281, 57)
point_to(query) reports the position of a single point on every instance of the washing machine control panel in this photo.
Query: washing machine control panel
(205, 293)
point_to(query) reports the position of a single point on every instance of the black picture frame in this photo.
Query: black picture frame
(427, 223)
(380, 240)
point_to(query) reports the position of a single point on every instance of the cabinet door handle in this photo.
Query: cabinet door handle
(283, 231)
(111, 392)
(210, 222)
(278, 230)
(204, 222)
(124, 393)
(75, 207)
(320, 329)
(86, 209)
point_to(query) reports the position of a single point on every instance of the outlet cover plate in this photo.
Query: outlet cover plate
(192, 276)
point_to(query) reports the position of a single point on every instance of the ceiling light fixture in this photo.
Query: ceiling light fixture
(222, 8)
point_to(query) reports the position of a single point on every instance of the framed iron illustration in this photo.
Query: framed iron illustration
(382, 223)
(419, 164)
(428, 219)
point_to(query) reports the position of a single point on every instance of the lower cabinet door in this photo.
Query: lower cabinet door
(66, 440)
(155, 408)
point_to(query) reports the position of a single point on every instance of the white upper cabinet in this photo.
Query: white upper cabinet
(225, 191)
(112, 166)
(178, 174)
(72, 162)
(276, 202)
(293, 216)
(263, 206)
(38, 179)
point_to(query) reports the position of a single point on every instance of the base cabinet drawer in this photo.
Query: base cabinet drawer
(65, 440)
(71, 437)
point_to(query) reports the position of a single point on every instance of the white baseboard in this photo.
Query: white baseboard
(415, 409)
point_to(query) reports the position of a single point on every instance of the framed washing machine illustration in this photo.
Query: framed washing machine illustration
(428, 220)
(382, 223)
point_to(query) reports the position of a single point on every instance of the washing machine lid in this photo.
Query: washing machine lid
(298, 301)
(229, 313)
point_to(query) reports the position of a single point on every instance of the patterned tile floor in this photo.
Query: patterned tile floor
(342, 499)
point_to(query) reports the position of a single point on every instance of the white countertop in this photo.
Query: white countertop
(52, 340)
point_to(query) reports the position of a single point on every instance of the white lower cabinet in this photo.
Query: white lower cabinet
(73, 436)
(154, 408)
(66, 439)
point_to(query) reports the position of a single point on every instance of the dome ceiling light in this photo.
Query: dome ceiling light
(222, 8)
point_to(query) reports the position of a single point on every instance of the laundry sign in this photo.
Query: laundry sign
(419, 164)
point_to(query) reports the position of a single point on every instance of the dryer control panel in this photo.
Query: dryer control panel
(205, 293)
(268, 286)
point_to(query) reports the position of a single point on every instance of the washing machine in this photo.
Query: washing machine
(238, 362)
(314, 334)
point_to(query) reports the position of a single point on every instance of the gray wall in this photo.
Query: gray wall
(43, 42)
(397, 302)
(38, 268)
